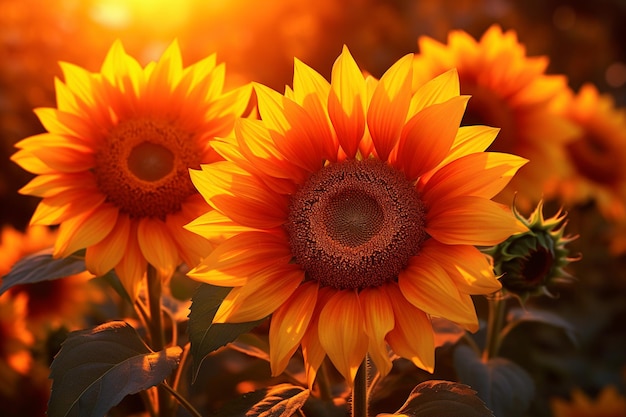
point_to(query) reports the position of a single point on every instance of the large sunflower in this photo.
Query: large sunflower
(349, 213)
(112, 167)
(511, 91)
(598, 155)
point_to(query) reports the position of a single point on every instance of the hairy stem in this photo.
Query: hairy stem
(495, 322)
(360, 400)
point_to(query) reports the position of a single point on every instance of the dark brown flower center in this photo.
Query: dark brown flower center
(142, 167)
(355, 224)
(597, 159)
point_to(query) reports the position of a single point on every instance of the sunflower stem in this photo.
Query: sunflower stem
(157, 333)
(182, 400)
(360, 399)
(495, 322)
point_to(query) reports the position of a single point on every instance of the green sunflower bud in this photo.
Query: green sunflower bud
(530, 262)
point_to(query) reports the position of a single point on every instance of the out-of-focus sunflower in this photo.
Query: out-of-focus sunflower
(349, 213)
(15, 338)
(112, 167)
(48, 304)
(511, 91)
(608, 403)
(598, 155)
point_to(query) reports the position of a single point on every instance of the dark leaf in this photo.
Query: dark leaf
(95, 369)
(206, 337)
(444, 399)
(519, 315)
(41, 266)
(114, 282)
(282, 400)
(506, 388)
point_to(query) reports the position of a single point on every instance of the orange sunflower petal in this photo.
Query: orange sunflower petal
(241, 256)
(427, 286)
(346, 102)
(470, 220)
(157, 247)
(427, 137)
(389, 106)
(482, 174)
(240, 196)
(288, 325)
(438, 90)
(468, 267)
(215, 227)
(85, 229)
(264, 292)
(379, 320)
(106, 254)
(412, 336)
(341, 333)
(132, 267)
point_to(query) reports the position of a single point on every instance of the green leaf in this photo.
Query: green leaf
(443, 398)
(282, 400)
(206, 337)
(506, 388)
(518, 316)
(112, 280)
(95, 369)
(41, 266)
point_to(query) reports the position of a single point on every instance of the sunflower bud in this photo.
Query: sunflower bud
(529, 262)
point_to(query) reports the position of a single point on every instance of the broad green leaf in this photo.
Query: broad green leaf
(95, 369)
(41, 266)
(114, 282)
(504, 386)
(206, 337)
(282, 400)
(443, 398)
(518, 316)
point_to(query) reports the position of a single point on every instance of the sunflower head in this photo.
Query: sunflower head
(532, 261)
(112, 166)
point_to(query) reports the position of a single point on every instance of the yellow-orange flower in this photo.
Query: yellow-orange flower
(47, 304)
(598, 155)
(609, 403)
(511, 91)
(349, 213)
(112, 167)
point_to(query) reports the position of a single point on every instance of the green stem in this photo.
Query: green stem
(495, 322)
(359, 392)
(182, 400)
(157, 333)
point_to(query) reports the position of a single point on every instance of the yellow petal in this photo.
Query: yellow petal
(342, 333)
(65, 205)
(312, 350)
(468, 267)
(85, 230)
(412, 336)
(132, 267)
(233, 261)
(240, 196)
(379, 321)
(482, 174)
(438, 90)
(427, 137)
(106, 254)
(389, 106)
(289, 323)
(470, 220)
(428, 287)
(264, 292)
(157, 246)
(51, 184)
(215, 227)
(346, 102)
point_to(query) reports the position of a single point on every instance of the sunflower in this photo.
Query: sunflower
(349, 213)
(112, 166)
(511, 91)
(609, 403)
(598, 155)
(48, 304)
